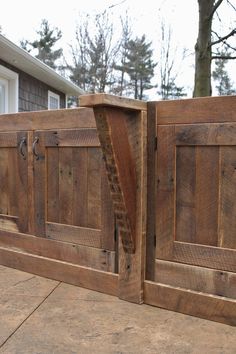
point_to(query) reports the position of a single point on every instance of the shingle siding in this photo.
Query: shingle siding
(33, 93)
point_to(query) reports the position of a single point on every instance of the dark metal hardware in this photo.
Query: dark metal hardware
(23, 142)
(36, 140)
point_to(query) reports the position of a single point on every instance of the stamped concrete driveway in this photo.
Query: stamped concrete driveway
(39, 315)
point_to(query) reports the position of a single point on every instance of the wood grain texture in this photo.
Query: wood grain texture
(227, 207)
(132, 266)
(22, 186)
(53, 184)
(165, 198)
(62, 271)
(8, 222)
(104, 99)
(78, 254)
(61, 119)
(211, 281)
(80, 186)
(206, 134)
(40, 184)
(197, 194)
(75, 234)
(65, 185)
(151, 192)
(205, 256)
(196, 110)
(211, 307)
(71, 137)
(112, 131)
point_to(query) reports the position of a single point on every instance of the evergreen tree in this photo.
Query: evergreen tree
(44, 45)
(220, 75)
(139, 66)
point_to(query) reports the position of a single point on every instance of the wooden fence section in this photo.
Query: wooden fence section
(130, 198)
(56, 213)
(190, 244)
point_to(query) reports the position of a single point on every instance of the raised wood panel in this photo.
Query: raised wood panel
(197, 194)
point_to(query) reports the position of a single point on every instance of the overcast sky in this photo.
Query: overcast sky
(22, 19)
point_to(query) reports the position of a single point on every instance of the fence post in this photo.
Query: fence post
(122, 131)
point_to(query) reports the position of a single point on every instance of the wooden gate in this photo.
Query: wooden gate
(56, 213)
(190, 202)
(195, 208)
(133, 199)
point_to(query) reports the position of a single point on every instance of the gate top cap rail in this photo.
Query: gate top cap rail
(103, 99)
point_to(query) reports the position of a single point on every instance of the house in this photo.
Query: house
(27, 84)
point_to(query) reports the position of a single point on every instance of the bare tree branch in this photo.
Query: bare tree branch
(222, 39)
(226, 57)
(215, 7)
(230, 3)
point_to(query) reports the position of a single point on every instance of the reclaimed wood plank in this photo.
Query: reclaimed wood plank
(211, 281)
(62, 271)
(79, 254)
(165, 198)
(30, 185)
(4, 171)
(75, 234)
(40, 184)
(65, 185)
(94, 188)
(206, 134)
(73, 118)
(227, 207)
(151, 191)
(210, 307)
(52, 197)
(12, 181)
(71, 137)
(205, 256)
(9, 222)
(104, 99)
(132, 265)
(186, 194)
(196, 110)
(207, 194)
(80, 186)
(22, 186)
(107, 214)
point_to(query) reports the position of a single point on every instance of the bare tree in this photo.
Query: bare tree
(94, 54)
(207, 41)
(168, 67)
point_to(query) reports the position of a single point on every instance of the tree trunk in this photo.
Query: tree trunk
(202, 82)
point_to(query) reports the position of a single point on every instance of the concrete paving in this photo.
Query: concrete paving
(39, 315)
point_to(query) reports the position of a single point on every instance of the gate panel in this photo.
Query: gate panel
(196, 201)
(73, 204)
